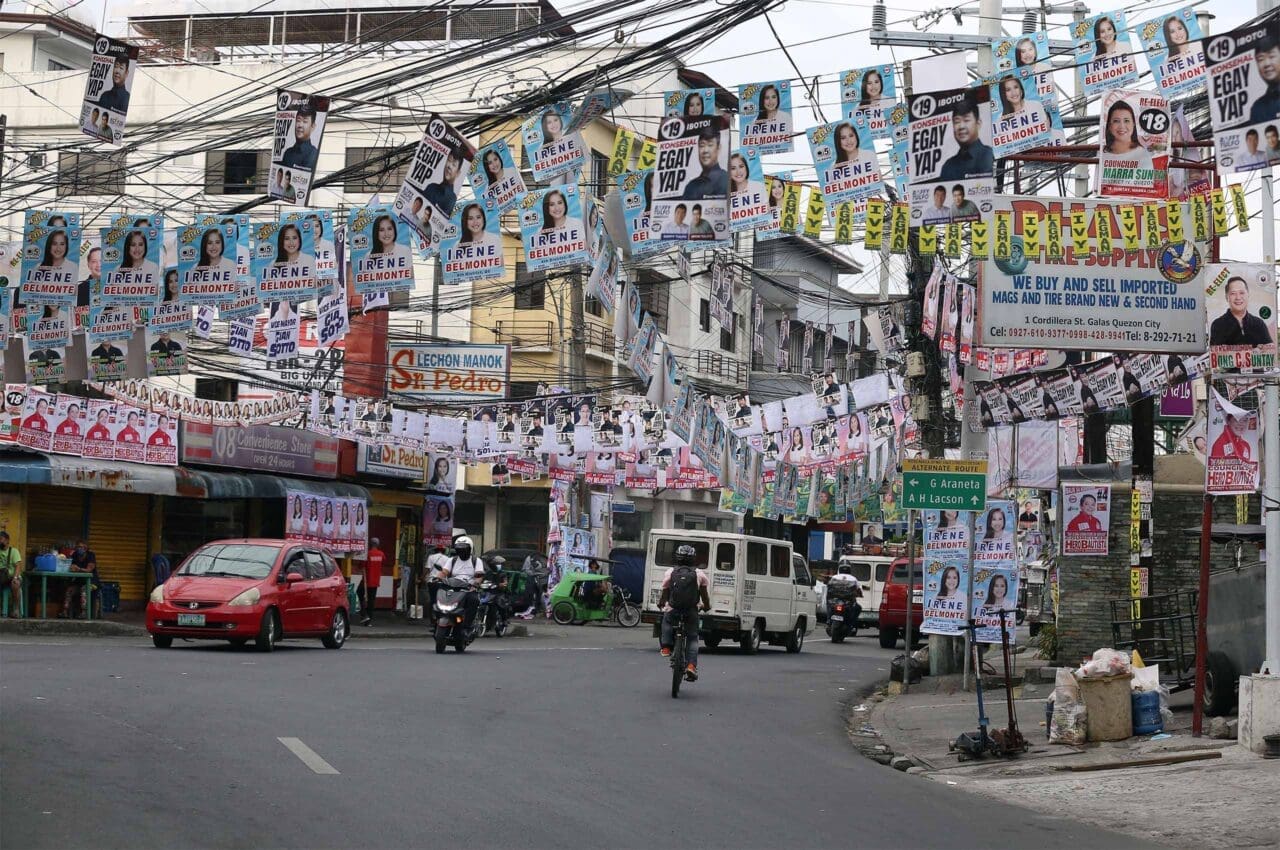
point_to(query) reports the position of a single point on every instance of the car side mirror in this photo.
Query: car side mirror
(293, 577)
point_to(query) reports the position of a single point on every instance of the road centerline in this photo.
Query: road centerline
(308, 756)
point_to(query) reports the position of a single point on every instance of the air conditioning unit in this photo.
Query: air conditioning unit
(35, 160)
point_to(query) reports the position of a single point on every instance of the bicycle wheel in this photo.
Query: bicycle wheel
(677, 665)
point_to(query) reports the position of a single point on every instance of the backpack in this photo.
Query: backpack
(683, 591)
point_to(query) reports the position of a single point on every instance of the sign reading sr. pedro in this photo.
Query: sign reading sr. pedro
(445, 372)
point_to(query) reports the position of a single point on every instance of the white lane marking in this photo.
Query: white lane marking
(309, 756)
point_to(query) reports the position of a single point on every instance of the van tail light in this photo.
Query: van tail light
(839, 609)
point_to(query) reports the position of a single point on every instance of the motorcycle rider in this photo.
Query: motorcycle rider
(465, 565)
(843, 577)
(684, 591)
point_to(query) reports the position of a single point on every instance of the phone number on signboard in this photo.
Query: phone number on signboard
(1095, 335)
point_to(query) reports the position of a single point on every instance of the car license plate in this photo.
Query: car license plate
(917, 597)
(191, 619)
(837, 618)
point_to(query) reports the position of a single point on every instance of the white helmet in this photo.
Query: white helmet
(462, 541)
(462, 547)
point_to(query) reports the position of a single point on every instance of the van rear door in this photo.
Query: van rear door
(662, 551)
(723, 575)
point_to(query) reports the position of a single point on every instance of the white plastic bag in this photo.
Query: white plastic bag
(1145, 678)
(1106, 662)
(1069, 721)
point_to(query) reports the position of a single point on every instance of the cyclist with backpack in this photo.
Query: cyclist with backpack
(684, 591)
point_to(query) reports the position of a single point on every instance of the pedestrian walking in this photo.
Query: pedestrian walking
(372, 577)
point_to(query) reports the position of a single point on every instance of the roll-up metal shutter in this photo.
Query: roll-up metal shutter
(118, 536)
(55, 517)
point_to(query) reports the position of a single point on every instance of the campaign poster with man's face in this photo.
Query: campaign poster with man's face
(129, 427)
(951, 164)
(1240, 302)
(1233, 464)
(1104, 57)
(1244, 95)
(300, 120)
(435, 177)
(552, 228)
(98, 442)
(691, 197)
(1086, 519)
(106, 92)
(166, 352)
(381, 252)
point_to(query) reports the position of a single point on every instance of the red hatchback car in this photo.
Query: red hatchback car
(257, 589)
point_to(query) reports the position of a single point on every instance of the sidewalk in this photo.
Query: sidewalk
(1228, 800)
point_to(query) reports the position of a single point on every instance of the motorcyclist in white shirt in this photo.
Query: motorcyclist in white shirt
(465, 565)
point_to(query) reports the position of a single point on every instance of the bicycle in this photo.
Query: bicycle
(678, 651)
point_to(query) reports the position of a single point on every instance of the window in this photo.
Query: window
(664, 552)
(374, 170)
(860, 571)
(729, 335)
(600, 181)
(239, 559)
(757, 558)
(593, 307)
(802, 571)
(55, 65)
(900, 572)
(521, 390)
(780, 562)
(88, 173)
(315, 565)
(882, 572)
(236, 172)
(704, 315)
(726, 557)
(531, 289)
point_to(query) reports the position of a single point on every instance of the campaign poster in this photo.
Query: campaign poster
(1244, 93)
(246, 304)
(1020, 55)
(471, 244)
(1104, 57)
(380, 249)
(284, 260)
(6, 312)
(494, 176)
(602, 283)
(328, 522)
(1086, 519)
(764, 116)
(166, 353)
(295, 511)
(343, 535)
(69, 424)
(36, 428)
(952, 168)
(162, 439)
(11, 411)
(436, 175)
(359, 526)
(324, 253)
(844, 156)
(1151, 299)
(1019, 120)
(1174, 51)
(748, 197)
(333, 320)
(283, 325)
(1141, 376)
(552, 227)
(207, 268)
(50, 262)
(311, 532)
(128, 427)
(98, 442)
(108, 337)
(437, 520)
(691, 198)
(636, 190)
(1185, 182)
(946, 572)
(1233, 465)
(300, 120)
(106, 92)
(870, 92)
(1133, 155)
(995, 572)
(1240, 302)
(549, 148)
(131, 274)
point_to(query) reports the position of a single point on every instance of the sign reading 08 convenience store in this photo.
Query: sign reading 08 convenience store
(1089, 275)
(444, 372)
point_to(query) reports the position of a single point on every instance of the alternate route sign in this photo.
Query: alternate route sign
(944, 484)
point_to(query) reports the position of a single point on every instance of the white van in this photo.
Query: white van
(761, 591)
(871, 571)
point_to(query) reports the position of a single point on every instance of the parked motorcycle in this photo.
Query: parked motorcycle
(494, 612)
(450, 614)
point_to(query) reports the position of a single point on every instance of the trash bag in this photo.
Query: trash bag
(1106, 662)
(1069, 721)
(895, 669)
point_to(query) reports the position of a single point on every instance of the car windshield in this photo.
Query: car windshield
(234, 560)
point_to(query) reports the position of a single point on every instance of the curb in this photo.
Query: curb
(78, 628)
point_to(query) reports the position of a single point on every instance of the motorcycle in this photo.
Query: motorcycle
(494, 611)
(843, 611)
(450, 613)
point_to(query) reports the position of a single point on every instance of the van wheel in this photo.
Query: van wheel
(750, 641)
(711, 642)
(795, 640)
(888, 637)
(1220, 679)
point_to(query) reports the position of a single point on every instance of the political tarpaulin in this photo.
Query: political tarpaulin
(1244, 93)
(325, 252)
(1086, 519)
(50, 260)
(1104, 53)
(207, 271)
(1133, 156)
(494, 175)
(1175, 53)
(436, 175)
(870, 93)
(844, 156)
(952, 165)
(1240, 302)
(471, 245)
(946, 572)
(131, 274)
(764, 120)
(550, 149)
(1233, 464)
(380, 249)
(1020, 120)
(995, 572)
(106, 92)
(295, 149)
(748, 197)
(691, 197)
(284, 260)
(552, 228)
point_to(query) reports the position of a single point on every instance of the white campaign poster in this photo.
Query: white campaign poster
(1233, 465)
(1244, 93)
(946, 572)
(1086, 515)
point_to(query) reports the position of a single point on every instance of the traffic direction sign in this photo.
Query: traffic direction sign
(944, 484)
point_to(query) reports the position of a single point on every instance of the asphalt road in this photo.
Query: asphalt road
(560, 740)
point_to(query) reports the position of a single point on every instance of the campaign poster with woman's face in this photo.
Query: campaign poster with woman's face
(284, 263)
(312, 511)
(764, 118)
(471, 244)
(494, 176)
(435, 177)
(1133, 157)
(296, 518)
(995, 595)
(551, 225)
(636, 190)
(1086, 518)
(549, 148)
(69, 425)
(845, 158)
(324, 254)
(442, 473)
(993, 529)
(1240, 300)
(50, 262)
(381, 251)
(162, 439)
(870, 92)
(207, 266)
(437, 520)
(131, 271)
(1019, 120)
(359, 525)
(1103, 53)
(1174, 51)
(946, 572)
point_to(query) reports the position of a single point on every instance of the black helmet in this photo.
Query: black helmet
(685, 555)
